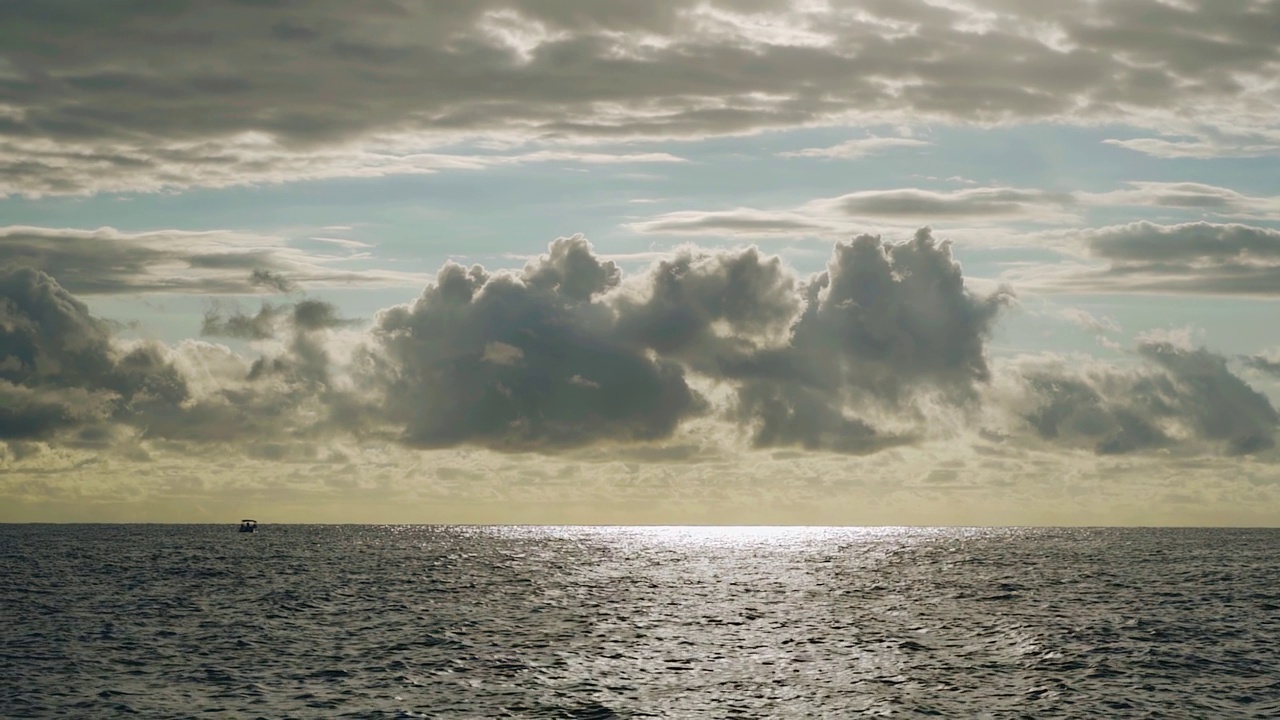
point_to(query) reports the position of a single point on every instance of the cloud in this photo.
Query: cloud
(982, 210)
(1090, 322)
(107, 261)
(554, 375)
(857, 148)
(743, 222)
(261, 326)
(1189, 196)
(995, 203)
(1219, 405)
(1264, 363)
(59, 369)
(885, 348)
(1198, 258)
(65, 379)
(564, 354)
(1177, 399)
(884, 325)
(897, 209)
(125, 96)
(1199, 242)
(1200, 148)
(273, 281)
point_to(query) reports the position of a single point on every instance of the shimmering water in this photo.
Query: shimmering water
(356, 621)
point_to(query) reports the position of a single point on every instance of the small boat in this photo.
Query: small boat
(248, 526)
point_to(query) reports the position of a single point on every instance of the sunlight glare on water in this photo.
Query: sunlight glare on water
(621, 622)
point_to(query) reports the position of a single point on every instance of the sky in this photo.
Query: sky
(869, 262)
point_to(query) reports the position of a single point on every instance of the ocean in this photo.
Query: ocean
(295, 621)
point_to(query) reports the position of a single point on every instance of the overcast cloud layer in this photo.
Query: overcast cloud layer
(119, 95)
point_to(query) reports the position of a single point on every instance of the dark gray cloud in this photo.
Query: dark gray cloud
(234, 324)
(1073, 410)
(1148, 243)
(1180, 395)
(1218, 404)
(271, 280)
(63, 376)
(305, 360)
(1263, 363)
(119, 94)
(566, 353)
(59, 369)
(711, 308)
(1189, 258)
(526, 361)
(572, 270)
(556, 356)
(883, 322)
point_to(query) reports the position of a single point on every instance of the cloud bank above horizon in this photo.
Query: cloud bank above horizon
(886, 346)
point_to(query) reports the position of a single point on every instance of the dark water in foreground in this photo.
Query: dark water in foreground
(361, 621)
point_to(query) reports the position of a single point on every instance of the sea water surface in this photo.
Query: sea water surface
(582, 622)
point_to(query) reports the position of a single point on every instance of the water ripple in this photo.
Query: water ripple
(511, 622)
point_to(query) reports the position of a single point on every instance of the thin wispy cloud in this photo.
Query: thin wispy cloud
(857, 148)
(107, 261)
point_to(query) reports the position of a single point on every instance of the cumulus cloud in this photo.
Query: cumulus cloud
(59, 369)
(804, 357)
(560, 354)
(65, 378)
(525, 361)
(886, 347)
(133, 96)
(1178, 398)
(1219, 405)
(273, 281)
(107, 261)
